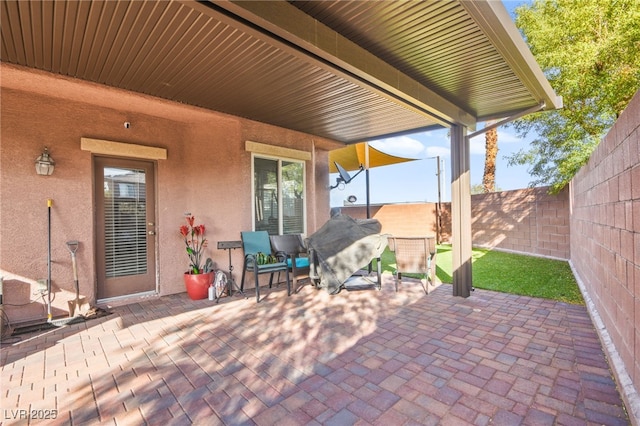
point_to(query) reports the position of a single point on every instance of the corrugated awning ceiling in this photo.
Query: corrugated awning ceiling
(438, 44)
(348, 71)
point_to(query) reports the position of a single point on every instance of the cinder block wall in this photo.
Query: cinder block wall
(527, 220)
(605, 234)
(411, 219)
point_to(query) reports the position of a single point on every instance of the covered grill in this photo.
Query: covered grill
(341, 247)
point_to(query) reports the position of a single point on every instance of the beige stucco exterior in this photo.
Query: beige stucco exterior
(207, 172)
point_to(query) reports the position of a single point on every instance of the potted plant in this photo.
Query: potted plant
(197, 279)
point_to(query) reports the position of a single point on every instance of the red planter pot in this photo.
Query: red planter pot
(198, 285)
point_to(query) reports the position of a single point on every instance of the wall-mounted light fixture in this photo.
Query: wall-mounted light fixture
(45, 164)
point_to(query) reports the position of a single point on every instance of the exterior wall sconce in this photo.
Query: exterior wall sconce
(45, 164)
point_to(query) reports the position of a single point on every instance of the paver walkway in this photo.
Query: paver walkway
(359, 357)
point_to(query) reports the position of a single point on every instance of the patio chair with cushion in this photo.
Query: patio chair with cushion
(258, 259)
(415, 255)
(290, 248)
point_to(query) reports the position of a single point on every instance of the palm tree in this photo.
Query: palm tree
(491, 149)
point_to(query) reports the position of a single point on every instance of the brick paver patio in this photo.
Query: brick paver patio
(359, 357)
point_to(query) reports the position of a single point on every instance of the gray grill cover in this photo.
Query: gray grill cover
(341, 247)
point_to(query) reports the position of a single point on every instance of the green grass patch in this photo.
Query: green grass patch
(508, 273)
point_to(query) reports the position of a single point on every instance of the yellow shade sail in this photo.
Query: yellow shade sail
(351, 157)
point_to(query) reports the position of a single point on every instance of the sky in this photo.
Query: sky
(416, 181)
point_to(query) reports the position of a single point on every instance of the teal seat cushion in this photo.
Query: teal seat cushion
(301, 262)
(270, 266)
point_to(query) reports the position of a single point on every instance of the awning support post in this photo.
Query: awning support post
(461, 211)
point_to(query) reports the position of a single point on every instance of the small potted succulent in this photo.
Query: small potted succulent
(199, 277)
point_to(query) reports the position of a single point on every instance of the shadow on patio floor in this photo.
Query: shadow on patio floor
(359, 357)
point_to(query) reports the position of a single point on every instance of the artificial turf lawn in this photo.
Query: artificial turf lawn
(508, 273)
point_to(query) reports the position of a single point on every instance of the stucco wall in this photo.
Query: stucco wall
(207, 173)
(605, 234)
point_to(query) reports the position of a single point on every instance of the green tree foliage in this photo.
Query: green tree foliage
(477, 188)
(589, 51)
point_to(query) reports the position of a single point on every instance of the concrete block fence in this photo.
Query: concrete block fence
(605, 244)
(529, 221)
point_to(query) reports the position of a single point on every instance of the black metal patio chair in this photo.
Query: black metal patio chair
(289, 248)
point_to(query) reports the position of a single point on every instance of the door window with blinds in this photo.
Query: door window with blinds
(279, 195)
(125, 222)
(125, 227)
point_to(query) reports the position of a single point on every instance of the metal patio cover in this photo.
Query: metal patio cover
(350, 71)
